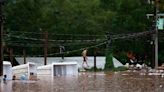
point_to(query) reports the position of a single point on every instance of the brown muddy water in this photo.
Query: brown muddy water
(89, 82)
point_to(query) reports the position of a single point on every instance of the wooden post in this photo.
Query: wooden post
(1, 37)
(24, 55)
(45, 47)
(11, 56)
(153, 53)
(156, 10)
(95, 52)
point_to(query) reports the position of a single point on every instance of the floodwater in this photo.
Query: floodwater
(89, 82)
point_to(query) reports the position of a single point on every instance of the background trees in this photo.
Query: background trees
(89, 17)
(74, 16)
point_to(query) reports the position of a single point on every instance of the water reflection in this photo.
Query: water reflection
(6, 86)
(89, 82)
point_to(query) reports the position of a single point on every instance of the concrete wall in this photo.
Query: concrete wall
(40, 60)
(7, 70)
(24, 69)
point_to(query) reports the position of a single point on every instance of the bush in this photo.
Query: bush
(109, 62)
(121, 68)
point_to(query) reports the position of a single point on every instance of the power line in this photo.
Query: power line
(132, 35)
(20, 44)
(54, 34)
(114, 37)
(58, 40)
(68, 52)
(119, 36)
(73, 51)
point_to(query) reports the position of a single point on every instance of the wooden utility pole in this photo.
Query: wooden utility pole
(156, 14)
(108, 40)
(95, 52)
(11, 56)
(153, 54)
(1, 36)
(45, 47)
(156, 32)
(24, 55)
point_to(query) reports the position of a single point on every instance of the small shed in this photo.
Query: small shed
(58, 69)
(27, 71)
(7, 70)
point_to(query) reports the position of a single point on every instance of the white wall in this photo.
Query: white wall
(7, 70)
(40, 60)
(24, 69)
(32, 69)
(58, 69)
(72, 70)
(44, 70)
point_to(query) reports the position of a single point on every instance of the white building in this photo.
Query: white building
(7, 70)
(27, 70)
(58, 69)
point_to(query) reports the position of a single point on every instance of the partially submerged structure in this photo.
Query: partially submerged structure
(27, 71)
(7, 70)
(58, 69)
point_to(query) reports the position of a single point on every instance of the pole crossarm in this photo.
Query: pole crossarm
(151, 15)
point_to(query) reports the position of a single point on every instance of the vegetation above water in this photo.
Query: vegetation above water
(27, 20)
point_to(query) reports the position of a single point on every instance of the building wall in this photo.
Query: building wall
(100, 61)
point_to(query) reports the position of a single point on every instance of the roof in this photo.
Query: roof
(6, 63)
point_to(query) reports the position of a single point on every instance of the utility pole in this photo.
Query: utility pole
(155, 15)
(11, 56)
(108, 40)
(24, 55)
(45, 47)
(1, 36)
(156, 32)
(95, 52)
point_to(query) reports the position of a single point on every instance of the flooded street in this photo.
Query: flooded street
(89, 82)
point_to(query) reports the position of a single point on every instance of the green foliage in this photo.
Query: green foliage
(109, 60)
(121, 68)
(109, 63)
(140, 47)
(121, 56)
(77, 17)
(72, 16)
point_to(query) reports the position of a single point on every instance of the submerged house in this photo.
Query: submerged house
(58, 69)
(25, 70)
